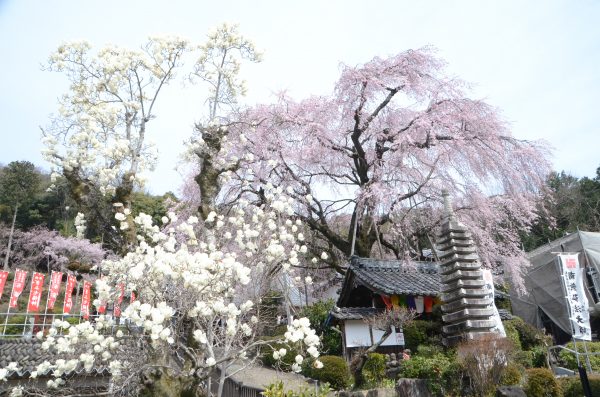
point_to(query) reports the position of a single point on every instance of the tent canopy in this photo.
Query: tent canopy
(542, 280)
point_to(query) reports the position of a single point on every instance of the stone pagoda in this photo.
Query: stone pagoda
(467, 306)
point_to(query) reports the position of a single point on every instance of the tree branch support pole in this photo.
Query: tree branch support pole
(8, 309)
(10, 237)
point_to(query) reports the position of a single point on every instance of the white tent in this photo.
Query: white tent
(543, 290)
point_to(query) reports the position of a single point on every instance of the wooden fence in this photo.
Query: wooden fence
(232, 388)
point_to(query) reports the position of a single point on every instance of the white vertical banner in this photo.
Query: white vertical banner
(573, 280)
(489, 286)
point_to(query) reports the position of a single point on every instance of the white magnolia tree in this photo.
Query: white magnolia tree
(198, 281)
(99, 139)
(197, 305)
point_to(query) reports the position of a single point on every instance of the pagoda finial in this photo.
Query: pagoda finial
(449, 212)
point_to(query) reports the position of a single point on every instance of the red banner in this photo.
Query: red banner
(102, 307)
(35, 294)
(68, 305)
(117, 310)
(55, 280)
(3, 277)
(18, 286)
(85, 299)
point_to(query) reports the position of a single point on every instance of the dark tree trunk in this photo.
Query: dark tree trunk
(361, 359)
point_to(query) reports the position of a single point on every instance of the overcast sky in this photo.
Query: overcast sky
(537, 61)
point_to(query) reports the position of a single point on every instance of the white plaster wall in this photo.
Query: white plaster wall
(357, 333)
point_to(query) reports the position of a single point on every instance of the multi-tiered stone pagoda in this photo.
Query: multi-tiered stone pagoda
(466, 304)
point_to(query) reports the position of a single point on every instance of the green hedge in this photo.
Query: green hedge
(278, 390)
(571, 386)
(529, 336)
(335, 371)
(541, 383)
(512, 334)
(14, 325)
(422, 332)
(570, 361)
(374, 370)
(512, 375)
(440, 372)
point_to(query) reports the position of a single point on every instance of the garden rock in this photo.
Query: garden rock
(412, 388)
(510, 391)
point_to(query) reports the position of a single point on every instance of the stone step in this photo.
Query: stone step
(466, 303)
(464, 274)
(468, 314)
(444, 237)
(468, 326)
(454, 250)
(460, 258)
(455, 243)
(464, 293)
(453, 340)
(459, 283)
(459, 266)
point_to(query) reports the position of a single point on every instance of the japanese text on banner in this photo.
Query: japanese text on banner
(85, 299)
(18, 287)
(68, 305)
(3, 278)
(55, 280)
(573, 278)
(35, 294)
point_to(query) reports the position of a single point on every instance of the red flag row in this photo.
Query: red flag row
(37, 285)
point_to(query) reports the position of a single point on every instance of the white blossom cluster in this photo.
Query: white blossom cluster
(77, 347)
(189, 272)
(100, 131)
(219, 64)
(80, 225)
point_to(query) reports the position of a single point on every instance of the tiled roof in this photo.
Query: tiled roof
(394, 277)
(353, 313)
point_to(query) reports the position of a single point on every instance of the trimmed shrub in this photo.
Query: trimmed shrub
(15, 325)
(374, 370)
(529, 336)
(540, 356)
(570, 361)
(524, 358)
(433, 369)
(73, 320)
(541, 383)
(512, 334)
(277, 390)
(335, 371)
(571, 386)
(512, 375)
(428, 350)
(421, 332)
